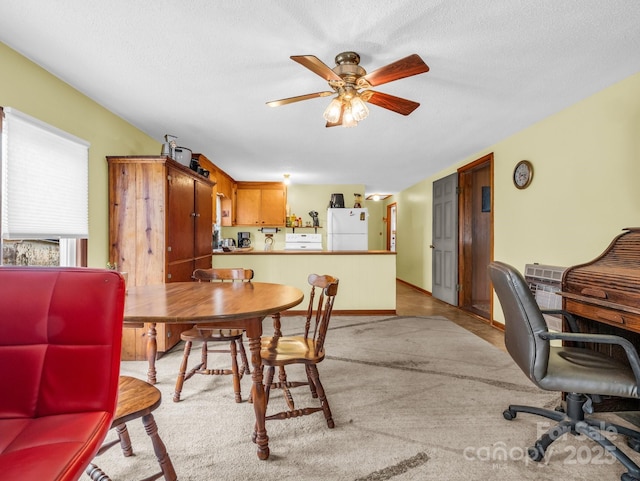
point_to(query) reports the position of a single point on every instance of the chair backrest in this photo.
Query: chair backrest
(319, 310)
(220, 274)
(523, 321)
(60, 340)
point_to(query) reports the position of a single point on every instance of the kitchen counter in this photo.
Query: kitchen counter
(367, 278)
(300, 252)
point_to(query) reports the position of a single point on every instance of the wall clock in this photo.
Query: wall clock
(523, 174)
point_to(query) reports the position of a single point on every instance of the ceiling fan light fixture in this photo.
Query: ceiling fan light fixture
(332, 113)
(348, 119)
(358, 109)
(377, 197)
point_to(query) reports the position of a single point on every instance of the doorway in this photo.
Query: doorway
(475, 250)
(391, 226)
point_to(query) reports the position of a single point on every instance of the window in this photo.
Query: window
(44, 191)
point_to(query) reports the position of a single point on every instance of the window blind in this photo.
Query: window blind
(45, 176)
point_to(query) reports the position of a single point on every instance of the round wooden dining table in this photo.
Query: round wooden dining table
(220, 304)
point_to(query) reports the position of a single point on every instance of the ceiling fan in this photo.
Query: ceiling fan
(353, 84)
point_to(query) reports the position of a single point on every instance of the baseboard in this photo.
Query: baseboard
(414, 287)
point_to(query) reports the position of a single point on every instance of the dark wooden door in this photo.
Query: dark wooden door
(476, 235)
(203, 220)
(392, 218)
(181, 214)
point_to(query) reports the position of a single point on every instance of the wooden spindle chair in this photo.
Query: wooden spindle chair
(136, 400)
(207, 335)
(308, 350)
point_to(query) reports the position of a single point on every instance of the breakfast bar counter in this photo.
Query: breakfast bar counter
(303, 252)
(367, 278)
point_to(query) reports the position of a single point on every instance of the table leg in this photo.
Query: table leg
(254, 332)
(152, 351)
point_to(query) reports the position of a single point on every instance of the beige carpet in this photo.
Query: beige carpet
(413, 398)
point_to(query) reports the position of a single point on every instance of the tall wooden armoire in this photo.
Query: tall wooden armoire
(160, 221)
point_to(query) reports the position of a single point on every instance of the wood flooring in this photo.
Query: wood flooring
(413, 302)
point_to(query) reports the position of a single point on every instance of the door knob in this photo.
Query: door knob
(432, 246)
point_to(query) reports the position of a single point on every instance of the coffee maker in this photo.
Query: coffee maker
(337, 201)
(244, 239)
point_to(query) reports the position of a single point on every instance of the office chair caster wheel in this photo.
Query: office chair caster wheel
(634, 444)
(508, 414)
(628, 477)
(536, 453)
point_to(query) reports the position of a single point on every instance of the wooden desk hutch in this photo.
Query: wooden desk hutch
(160, 221)
(604, 295)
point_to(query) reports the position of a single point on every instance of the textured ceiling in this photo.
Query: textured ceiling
(202, 70)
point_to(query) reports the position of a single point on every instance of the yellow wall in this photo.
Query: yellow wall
(30, 89)
(377, 227)
(353, 270)
(585, 190)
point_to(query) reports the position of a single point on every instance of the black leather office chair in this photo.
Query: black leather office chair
(582, 373)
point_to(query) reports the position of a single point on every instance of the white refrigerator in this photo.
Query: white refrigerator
(347, 229)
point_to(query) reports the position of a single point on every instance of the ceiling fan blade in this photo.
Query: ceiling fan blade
(290, 100)
(386, 101)
(316, 65)
(406, 67)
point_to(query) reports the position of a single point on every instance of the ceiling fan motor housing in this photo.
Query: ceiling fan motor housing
(347, 67)
(347, 57)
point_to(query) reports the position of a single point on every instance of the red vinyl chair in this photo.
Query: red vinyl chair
(60, 338)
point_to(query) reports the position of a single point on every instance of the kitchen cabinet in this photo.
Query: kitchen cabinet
(224, 189)
(227, 199)
(160, 217)
(225, 184)
(260, 203)
(189, 216)
(206, 164)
